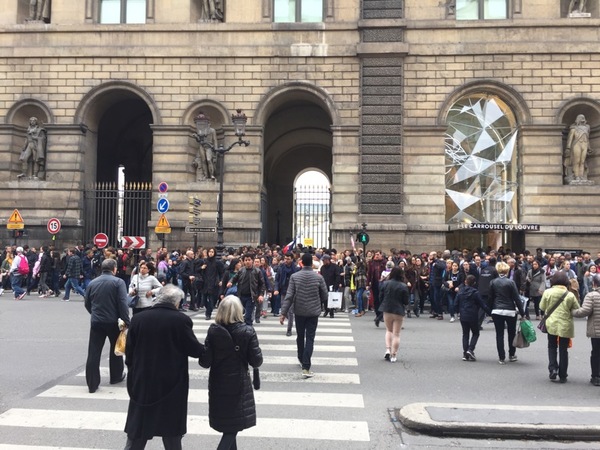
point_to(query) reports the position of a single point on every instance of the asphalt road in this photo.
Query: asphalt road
(43, 346)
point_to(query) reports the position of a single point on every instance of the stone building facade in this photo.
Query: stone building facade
(375, 95)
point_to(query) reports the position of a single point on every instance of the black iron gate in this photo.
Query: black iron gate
(312, 215)
(118, 212)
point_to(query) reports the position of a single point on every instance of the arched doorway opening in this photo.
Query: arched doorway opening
(297, 137)
(312, 209)
(118, 147)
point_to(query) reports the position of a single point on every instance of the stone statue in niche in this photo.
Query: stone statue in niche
(212, 10)
(577, 9)
(576, 152)
(33, 155)
(39, 10)
(205, 161)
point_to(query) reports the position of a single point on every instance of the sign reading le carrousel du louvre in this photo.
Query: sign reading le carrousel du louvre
(499, 226)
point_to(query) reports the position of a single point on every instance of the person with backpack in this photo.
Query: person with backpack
(19, 270)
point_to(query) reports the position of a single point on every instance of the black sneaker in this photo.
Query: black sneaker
(471, 355)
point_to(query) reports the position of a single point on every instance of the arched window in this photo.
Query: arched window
(481, 161)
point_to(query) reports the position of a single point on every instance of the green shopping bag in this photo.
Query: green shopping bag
(528, 331)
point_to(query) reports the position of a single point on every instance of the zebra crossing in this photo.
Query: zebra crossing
(292, 412)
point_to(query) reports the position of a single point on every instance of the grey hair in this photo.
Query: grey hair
(170, 294)
(230, 311)
(108, 265)
(596, 280)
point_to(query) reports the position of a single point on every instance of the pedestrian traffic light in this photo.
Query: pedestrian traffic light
(362, 237)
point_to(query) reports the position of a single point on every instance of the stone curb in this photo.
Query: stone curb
(508, 421)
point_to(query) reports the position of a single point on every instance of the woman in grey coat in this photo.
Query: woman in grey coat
(394, 297)
(591, 310)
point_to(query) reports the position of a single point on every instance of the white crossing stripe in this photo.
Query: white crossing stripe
(315, 361)
(283, 337)
(332, 430)
(275, 321)
(271, 377)
(316, 399)
(318, 348)
(39, 447)
(260, 328)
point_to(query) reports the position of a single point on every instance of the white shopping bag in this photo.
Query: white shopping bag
(334, 300)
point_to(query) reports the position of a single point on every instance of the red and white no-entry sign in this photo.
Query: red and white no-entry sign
(53, 226)
(101, 240)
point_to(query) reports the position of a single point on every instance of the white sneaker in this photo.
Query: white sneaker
(393, 359)
(307, 373)
(1, 291)
(452, 319)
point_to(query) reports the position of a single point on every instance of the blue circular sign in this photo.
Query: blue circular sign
(163, 187)
(162, 205)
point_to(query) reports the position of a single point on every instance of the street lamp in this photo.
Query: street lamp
(202, 131)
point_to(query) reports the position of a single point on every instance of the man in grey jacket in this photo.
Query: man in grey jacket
(306, 291)
(106, 301)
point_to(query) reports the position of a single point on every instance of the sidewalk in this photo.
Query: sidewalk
(501, 421)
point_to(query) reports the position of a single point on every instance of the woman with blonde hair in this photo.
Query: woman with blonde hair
(505, 300)
(231, 346)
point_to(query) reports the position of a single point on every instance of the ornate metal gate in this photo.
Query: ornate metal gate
(312, 215)
(117, 212)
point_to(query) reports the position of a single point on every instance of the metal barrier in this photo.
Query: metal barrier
(117, 212)
(312, 215)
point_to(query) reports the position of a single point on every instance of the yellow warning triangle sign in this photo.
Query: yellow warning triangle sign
(162, 222)
(16, 217)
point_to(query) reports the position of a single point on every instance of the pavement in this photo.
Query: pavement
(500, 421)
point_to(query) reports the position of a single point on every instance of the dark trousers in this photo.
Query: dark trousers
(306, 329)
(276, 304)
(562, 363)
(469, 329)
(511, 326)
(98, 334)
(376, 301)
(210, 300)
(228, 442)
(435, 298)
(595, 357)
(248, 305)
(169, 442)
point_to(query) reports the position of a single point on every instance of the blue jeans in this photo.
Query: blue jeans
(306, 328)
(15, 283)
(359, 299)
(435, 298)
(451, 302)
(73, 283)
(276, 304)
(248, 305)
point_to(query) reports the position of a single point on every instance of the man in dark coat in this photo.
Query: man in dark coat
(159, 343)
(212, 273)
(106, 301)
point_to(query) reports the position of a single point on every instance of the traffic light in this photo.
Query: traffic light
(362, 237)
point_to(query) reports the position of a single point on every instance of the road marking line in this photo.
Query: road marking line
(283, 337)
(269, 377)
(315, 361)
(283, 398)
(332, 430)
(318, 348)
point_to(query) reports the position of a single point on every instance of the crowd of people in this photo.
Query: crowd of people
(297, 284)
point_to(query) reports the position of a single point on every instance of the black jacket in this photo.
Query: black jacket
(212, 275)
(504, 295)
(106, 299)
(231, 406)
(159, 342)
(469, 301)
(394, 297)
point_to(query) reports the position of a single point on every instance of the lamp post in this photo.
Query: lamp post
(202, 131)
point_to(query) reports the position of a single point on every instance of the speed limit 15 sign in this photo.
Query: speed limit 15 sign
(53, 226)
